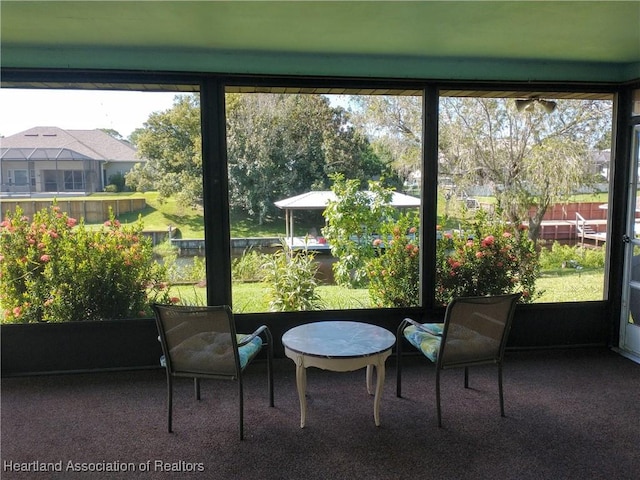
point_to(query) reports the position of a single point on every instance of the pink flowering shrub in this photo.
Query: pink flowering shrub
(54, 269)
(394, 274)
(484, 258)
(488, 258)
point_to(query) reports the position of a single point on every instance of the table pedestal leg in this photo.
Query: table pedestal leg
(380, 374)
(301, 381)
(370, 379)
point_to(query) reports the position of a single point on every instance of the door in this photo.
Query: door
(50, 180)
(630, 321)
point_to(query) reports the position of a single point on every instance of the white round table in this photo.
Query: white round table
(339, 346)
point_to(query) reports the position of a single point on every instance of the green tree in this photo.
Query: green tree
(170, 141)
(277, 146)
(530, 159)
(354, 221)
(283, 145)
(114, 133)
(393, 124)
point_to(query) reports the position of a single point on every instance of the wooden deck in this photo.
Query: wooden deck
(568, 230)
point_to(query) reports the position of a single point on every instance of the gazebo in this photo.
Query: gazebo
(318, 200)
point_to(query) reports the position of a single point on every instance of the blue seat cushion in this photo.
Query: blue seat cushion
(248, 351)
(427, 343)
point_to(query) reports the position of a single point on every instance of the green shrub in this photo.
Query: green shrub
(116, 183)
(394, 275)
(488, 258)
(196, 271)
(193, 271)
(248, 267)
(291, 279)
(566, 256)
(53, 269)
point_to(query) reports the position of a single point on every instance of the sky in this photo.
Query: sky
(122, 111)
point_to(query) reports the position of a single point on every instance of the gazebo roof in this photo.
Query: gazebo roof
(319, 199)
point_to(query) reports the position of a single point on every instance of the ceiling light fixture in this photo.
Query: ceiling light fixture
(528, 104)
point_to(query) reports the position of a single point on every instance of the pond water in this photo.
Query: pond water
(325, 261)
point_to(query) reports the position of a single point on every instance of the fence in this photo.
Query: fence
(93, 211)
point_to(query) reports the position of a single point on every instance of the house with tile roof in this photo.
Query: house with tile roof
(51, 160)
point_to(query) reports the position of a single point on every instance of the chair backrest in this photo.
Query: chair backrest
(476, 330)
(198, 340)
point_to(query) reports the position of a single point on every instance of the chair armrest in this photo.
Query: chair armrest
(419, 326)
(247, 338)
(415, 324)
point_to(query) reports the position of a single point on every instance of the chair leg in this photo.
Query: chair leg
(399, 359)
(270, 366)
(398, 372)
(466, 377)
(196, 387)
(438, 410)
(500, 390)
(270, 379)
(169, 401)
(241, 396)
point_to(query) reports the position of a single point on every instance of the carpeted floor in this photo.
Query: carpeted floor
(571, 414)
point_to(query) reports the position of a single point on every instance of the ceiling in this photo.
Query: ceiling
(471, 40)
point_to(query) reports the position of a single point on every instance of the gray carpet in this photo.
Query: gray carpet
(571, 414)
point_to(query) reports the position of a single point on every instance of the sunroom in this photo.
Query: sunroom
(516, 52)
(535, 57)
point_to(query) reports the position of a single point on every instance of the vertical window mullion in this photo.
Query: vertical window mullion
(429, 193)
(217, 232)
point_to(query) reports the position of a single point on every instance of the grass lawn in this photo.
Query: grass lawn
(571, 285)
(254, 297)
(159, 215)
(558, 286)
